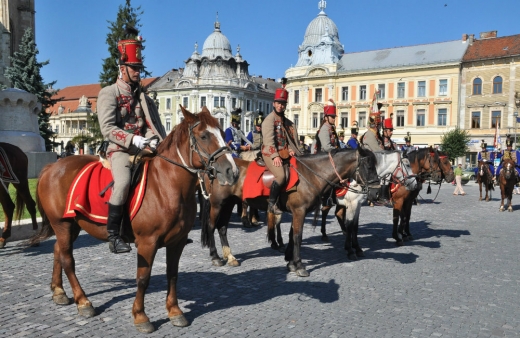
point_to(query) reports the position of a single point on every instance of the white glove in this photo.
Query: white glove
(153, 143)
(139, 141)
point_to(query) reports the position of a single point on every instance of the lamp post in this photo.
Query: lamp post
(515, 114)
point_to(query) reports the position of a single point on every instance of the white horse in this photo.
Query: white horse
(391, 167)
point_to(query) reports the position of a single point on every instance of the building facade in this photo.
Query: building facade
(418, 85)
(15, 17)
(490, 88)
(216, 79)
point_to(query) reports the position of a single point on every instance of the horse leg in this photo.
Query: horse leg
(480, 189)
(355, 242)
(340, 216)
(324, 213)
(351, 254)
(218, 215)
(173, 255)
(246, 223)
(502, 195)
(297, 225)
(146, 251)
(407, 212)
(226, 249)
(289, 251)
(254, 217)
(8, 207)
(279, 237)
(396, 233)
(66, 233)
(510, 207)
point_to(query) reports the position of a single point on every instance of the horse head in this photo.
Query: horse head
(366, 171)
(508, 167)
(445, 165)
(199, 144)
(393, 167)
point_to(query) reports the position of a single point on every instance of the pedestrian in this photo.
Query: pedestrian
(128, 120)
(458, 179)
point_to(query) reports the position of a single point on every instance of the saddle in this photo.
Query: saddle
(258, 179)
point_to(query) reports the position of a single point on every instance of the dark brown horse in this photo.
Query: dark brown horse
(166, 216)
(18, 162)
(484, 178)
(317, 174)
(428, 164)
(507, 179)
(216, 213)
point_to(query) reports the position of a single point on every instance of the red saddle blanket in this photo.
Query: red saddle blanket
(254, 185)
(83, 196)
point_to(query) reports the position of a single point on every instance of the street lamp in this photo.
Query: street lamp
(515, 114)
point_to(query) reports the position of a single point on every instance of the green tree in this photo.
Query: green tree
(24, 74)
(455, 143)
(126, 16)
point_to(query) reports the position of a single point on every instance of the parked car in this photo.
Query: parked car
(468, 174)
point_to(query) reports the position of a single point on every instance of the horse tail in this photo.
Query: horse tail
(46, 230)
(205, 207)
(20, 205)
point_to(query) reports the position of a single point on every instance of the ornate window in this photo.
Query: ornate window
(442, 115)
(421, 117)
(475, 120)
(477, 86)
(497, 85)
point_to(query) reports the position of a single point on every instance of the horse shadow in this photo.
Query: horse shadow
(47, 246)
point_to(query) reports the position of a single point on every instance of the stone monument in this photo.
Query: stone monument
(19, 115)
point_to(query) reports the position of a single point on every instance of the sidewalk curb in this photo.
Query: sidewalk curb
(22, 230)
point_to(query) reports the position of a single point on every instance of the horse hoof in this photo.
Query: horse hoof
(302, 273)
(399, 243)
(179, 320)
(146, 327)
(510, 209)
(255, 224)
(325, 238)
(291, 267)
(86, 311)
(360, 253)
(274, 246)
(217, 262)
(352, 256)
(281, 248)
(408, 238)
(2, 244)
(61, 300)
(233, 263)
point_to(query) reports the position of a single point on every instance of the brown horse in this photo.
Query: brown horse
(216, 213)
(166, 215)
(484, 177)
(317, 174)
(507, 179)
(428, 164)
(18, 162)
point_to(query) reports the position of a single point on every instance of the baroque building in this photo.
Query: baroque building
(490, 90)
(418, 85)
(216, 79)
(15, 17)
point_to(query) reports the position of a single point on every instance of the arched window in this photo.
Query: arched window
(497, 85)
(477, 86)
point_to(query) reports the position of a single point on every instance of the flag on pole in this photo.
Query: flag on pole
(497, 140)
(375, 108)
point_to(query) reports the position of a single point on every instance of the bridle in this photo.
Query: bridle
(508, 170)
(206, 158)
(399, 169)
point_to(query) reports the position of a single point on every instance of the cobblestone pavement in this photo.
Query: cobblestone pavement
(459, 277)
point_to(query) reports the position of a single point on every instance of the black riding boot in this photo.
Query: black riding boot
(115, 242)
(273, 199)
(384, 196)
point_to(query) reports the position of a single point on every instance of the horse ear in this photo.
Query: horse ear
(188, 116)
(205, 110)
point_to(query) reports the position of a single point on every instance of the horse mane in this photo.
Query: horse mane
(180, 132)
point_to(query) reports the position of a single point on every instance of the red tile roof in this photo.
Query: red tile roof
(69, 96)
(493, 48)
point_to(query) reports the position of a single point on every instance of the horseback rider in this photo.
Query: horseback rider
(326, 137)
(279, 144)
(255, 136)
(509, 153)
(128, 119)
(353, 142)
(234, 138)
(341, 139)
(488, 158)
(388, 131)
(407, 147)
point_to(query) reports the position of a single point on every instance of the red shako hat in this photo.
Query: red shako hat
(130, 48)
(388, 123)
(330, 108)
(281, 94)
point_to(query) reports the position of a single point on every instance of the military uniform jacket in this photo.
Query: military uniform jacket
(371, 141)
(328, 137)
(275, 136)
(352, 143)
(513, 154)
(256, 139)
(123, 114)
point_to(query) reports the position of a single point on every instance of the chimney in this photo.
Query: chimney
(488, 35)
(464, 37)
(471, 38)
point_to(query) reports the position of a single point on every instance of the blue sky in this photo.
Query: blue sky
(71, 34)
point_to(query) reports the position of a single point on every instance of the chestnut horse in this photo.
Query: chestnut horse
(427, 164)
(18, 162)
(166, 215)
(317, 174)
(484, 177)
(507, 179)
(390, 166)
